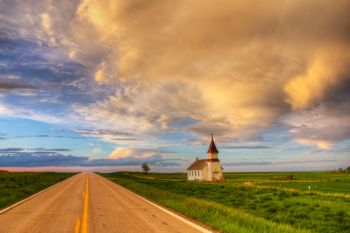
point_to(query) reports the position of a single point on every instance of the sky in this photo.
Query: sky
(105, 85)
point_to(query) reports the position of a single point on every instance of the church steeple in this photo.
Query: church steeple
(212, 150)
(212, 147)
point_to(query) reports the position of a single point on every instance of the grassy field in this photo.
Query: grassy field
(322, 182)
(15, 186)
(253, 202)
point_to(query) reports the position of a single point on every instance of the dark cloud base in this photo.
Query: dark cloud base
(248, 147)
(276, 163)
(11, 85)
(14, 157)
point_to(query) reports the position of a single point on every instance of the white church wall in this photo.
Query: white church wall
(205, 174)
(216, 170)
(194, 175)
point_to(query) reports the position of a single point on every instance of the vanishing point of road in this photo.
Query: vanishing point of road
(89, 203)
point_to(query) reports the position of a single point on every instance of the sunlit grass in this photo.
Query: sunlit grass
(232, 206)
(15, 186)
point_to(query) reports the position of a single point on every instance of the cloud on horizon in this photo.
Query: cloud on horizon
(17, 157)
(12, 85)
(253, 147)
(251, 163)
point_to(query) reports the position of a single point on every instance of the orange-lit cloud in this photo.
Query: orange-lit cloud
(124, 152)
(121, 152)
(234, 68)
(325, 71)
(100, 74)
(247, 62)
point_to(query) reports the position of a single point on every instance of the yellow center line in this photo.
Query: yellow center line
(85, 210)
(82, 228)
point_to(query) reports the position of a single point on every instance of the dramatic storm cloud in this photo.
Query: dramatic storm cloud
(140, 75)
(229, 64)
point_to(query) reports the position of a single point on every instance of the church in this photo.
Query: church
(208, 169)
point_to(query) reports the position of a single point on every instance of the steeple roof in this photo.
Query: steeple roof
(212, 147)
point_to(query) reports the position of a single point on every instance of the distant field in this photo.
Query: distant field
(253, 202)
(15, 186)
(324, 182)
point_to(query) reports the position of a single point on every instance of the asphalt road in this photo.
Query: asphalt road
(87, 203)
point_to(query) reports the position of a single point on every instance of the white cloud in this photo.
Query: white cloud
(15, 112)
(322, 126)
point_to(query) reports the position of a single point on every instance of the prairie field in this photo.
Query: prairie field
(15, 186)
(252, 202)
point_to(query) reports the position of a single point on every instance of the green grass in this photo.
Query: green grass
(15, 186)
(326, 187)
(318, 181)
(232, 206)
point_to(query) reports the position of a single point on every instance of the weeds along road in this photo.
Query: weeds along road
(90, 203)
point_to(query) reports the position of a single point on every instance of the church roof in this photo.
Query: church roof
(198, 164)
(212, 147)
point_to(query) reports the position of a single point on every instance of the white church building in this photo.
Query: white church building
(208, 169)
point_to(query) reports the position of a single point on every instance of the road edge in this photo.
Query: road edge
(32, 196)
(182, 219)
